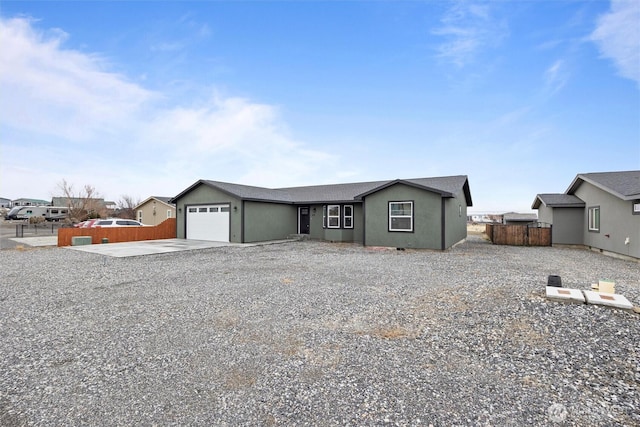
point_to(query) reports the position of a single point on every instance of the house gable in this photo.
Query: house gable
(154, 210)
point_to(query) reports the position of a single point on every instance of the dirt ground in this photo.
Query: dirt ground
(476, 229)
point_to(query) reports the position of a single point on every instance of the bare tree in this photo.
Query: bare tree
(82, 204)
(126, 206)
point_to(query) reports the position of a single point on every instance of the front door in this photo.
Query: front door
(304, 220)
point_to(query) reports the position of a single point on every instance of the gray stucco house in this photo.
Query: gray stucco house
(427, 213)
(598, 210)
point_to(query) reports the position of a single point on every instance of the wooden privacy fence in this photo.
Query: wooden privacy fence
(164, 230)
(536, 234)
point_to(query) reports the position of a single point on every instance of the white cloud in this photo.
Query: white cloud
(64, 114)
(468, 28)
(66, 93)
(618, 37)
(556, 77)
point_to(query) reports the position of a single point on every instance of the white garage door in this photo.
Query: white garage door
(209, 222)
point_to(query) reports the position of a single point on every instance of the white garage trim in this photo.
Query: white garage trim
(208, 222)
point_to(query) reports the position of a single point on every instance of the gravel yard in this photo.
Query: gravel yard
(314, 333)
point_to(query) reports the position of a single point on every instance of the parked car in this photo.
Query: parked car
(88, 223)
(117, 222)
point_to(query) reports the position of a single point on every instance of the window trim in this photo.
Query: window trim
(345, 216)
(592, 218)
(329, 216)
(411, 217)
(635, 207)
(324, 216)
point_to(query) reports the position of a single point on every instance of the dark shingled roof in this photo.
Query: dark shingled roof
(446, 186)
(557, 201)
(624, 185)
(163, 199)
(248, 192)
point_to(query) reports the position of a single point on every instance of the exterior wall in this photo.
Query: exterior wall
(204, 195)
(617, 222)
(338, 234)
(455, 220)
(161, 209)
(545, 214)
(567, 226)
(316, 231)
(355, 234)
(358, 224)
(427, 216)
(268, 221)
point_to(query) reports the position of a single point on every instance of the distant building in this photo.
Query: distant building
(511, 218)
(5, 203)
(30, 202)
(484, 218)
(83, 207)
(155, 210)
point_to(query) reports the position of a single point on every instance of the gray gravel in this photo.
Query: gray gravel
(313, 333)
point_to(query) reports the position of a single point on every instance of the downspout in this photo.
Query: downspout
(443, 223)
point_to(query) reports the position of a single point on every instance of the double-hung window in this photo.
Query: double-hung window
(347, 214)
(594, 218)
(333, 216)
(401, 216)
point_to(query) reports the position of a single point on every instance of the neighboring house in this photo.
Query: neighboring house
(155, 210)
(514, 218)
(598, 210)
(30, 202)
(90, 206)
(5, 203)
(404, 213)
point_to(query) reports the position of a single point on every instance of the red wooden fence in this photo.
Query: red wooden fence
(164, 230)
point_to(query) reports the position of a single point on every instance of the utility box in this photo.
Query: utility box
(80, 240)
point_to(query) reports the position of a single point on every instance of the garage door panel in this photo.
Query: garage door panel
(210, 222)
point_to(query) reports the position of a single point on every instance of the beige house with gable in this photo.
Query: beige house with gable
(155, 210)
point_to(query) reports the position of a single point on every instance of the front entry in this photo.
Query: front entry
(304, 220)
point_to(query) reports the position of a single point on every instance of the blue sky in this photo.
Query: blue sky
(144, 98)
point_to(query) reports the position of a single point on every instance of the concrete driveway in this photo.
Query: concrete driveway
(148, 247)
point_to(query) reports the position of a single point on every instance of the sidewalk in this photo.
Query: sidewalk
(36, 241)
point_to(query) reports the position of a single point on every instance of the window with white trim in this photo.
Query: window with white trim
(401, 216)
(636, 208)
(347, 215)
(333, 216)
(168, 213)
(594, 218)
(140, 215)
